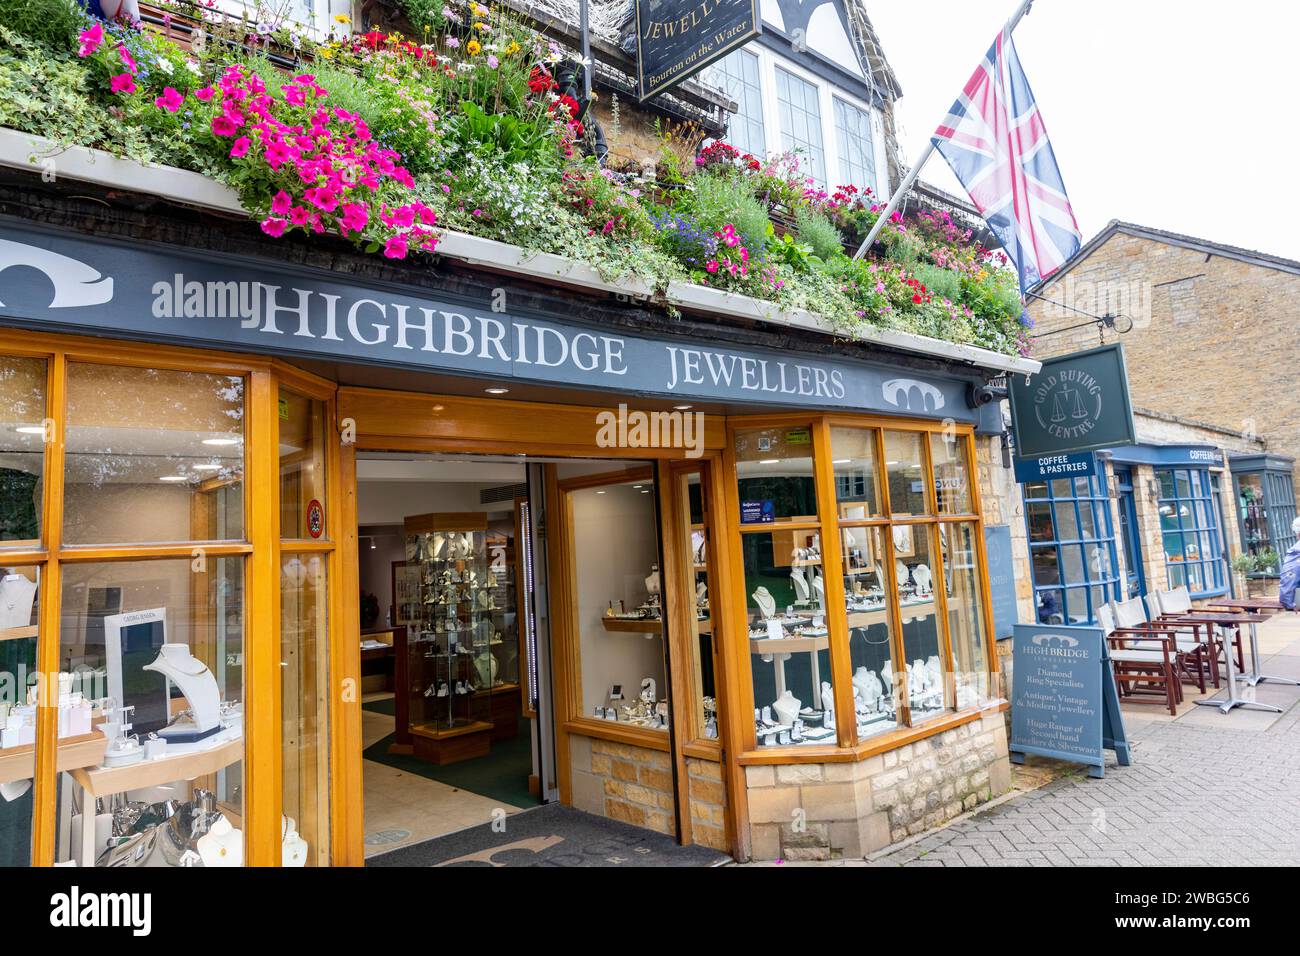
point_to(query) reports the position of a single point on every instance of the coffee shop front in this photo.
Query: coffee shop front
(797, 659)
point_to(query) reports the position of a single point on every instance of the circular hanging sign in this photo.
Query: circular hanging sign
(315, 518)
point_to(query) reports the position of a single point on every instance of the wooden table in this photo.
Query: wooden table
(1255, 606)
(1227, 619)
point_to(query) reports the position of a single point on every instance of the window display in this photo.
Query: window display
(923, 647)
(22, 449)
(302, 467)
(153, 455)
(693, 541)
(871, 657)
(966, 614)
(853, 456)
(616, 589)
(951, 482)
(774, 473)
(905, 471)
(304, 705)
(19, 616)
(1189, 527)
(151, 655)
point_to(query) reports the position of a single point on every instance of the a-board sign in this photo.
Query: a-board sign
(1064, 702)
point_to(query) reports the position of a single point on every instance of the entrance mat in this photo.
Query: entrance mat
(501, 775)
(552, 835)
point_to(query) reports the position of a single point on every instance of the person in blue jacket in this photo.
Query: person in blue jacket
(1291, 570)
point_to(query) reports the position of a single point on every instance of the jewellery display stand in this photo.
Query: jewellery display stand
(505, 702)
(447, 670)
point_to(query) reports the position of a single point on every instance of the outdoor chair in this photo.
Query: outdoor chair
(1143, 659)
(1197, 650)
(1176, 604)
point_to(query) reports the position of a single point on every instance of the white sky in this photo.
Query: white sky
(1174, 114)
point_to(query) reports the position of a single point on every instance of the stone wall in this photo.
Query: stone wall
(708, 799)
(845, 810)
(623, 782)
(1214, 340)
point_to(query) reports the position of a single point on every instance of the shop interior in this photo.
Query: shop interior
(455, 590)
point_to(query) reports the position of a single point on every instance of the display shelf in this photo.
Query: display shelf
(105, 781)
(788, 645)
(19, 633)
(86, 750)
(451, 745)
(645, 626)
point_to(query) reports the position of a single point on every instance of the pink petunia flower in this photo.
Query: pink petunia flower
(204, 94)
(281, 202)
(224, 126)
(239, 148)
(128, 61)
(122, 83)
(274, 227)
(395, 248)
(171, 100)
(91, 39)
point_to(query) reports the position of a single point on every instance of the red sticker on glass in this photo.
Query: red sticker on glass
(315, 519)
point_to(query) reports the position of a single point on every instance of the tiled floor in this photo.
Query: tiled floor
(404, 808)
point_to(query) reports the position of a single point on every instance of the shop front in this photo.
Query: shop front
(751, 571)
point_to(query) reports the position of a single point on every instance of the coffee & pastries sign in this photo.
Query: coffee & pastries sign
(677, 38)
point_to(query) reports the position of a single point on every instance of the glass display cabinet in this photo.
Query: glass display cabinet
(450, 669)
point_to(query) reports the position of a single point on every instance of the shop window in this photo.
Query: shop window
(1072, 549)
(19, 618)
(302, 467)
(1266, 507)
(799, 109)
(853, 457)
(1189, 529)
(951, 481)
(158, 645)
(871, 655)
(153, 455)
(905, 472)
(774, 473)
(788, 638)
(966, 614)
(617, 602)
(693, 540)
(22, 449)
(923, 652)
(304, 684)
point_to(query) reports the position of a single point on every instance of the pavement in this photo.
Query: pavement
(1204, 789)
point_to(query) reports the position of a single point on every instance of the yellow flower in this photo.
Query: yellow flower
(512, 49)
(481, 26)
(325, 52)
(342, 18)
(473, 47)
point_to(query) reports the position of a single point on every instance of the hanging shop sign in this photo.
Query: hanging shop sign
(151, 293)
(675, 39)
(1064, 702)
(1049, 467)
(1002, 579)
(1076, 402)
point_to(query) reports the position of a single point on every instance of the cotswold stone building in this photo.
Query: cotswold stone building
(1210, 354)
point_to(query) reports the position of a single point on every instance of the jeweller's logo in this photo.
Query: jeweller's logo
(75, 283)
(1067, 404)
(1055, 640)
(910, 395)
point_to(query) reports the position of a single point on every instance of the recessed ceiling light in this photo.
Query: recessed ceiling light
(683, 408)
(645, 491)
(30, 429)
(841, 461)
(600, 492)
(769, 461)
(637, 487)
(438, 408)
(174, 478)
(212, 467)
(221, 441)
(498, 390)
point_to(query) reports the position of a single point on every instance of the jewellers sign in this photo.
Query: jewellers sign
(1077, 402)
(1064, 702)
(151, 293)
(675, 39)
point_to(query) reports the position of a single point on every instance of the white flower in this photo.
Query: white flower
(165, 65)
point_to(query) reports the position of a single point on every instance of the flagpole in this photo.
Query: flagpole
(930, 148)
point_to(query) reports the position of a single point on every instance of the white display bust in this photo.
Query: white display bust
(924, 581)
(828, 706)
(766, 603)
(17, 595)
(222, 845)
(191, 675)
(786, 708)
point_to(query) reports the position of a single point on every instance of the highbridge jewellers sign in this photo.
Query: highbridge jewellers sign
(151, 293)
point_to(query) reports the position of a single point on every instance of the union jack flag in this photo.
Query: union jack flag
(995, 141)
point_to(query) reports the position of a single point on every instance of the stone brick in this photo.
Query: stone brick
(659, 779)
(624, 770)
(765, 841)
(707, 791)
(799, 773)
(829, 801)
(773, 804)
(601, 764)
(704, 768)
(762, 776)
(711, 836)
(618, 810)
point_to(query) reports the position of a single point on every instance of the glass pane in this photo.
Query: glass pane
(692, 541)
(19, 616)
(1047, 568)
(1067, 526)
(1072, 564)
(1166, 479)
(302, 467)
(153, 455)
(906, 473)
(951, 482)
(922, 650)
(774, 474)
(1183, 484)
(966, 615)
(22, 448)
(304, 685)
(871, 656)
(1089, 513)
(158, 647)
(853, 456)
(788, 639)
(1051, 605)
(1041, 525)
(618, 593)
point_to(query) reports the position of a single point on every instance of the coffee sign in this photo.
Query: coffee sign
(675, 39)
(1076, 402)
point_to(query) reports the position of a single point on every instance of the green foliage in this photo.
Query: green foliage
(508, 138)
(50, 22)
(715, 202)
(816, 231)
(941, 283)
